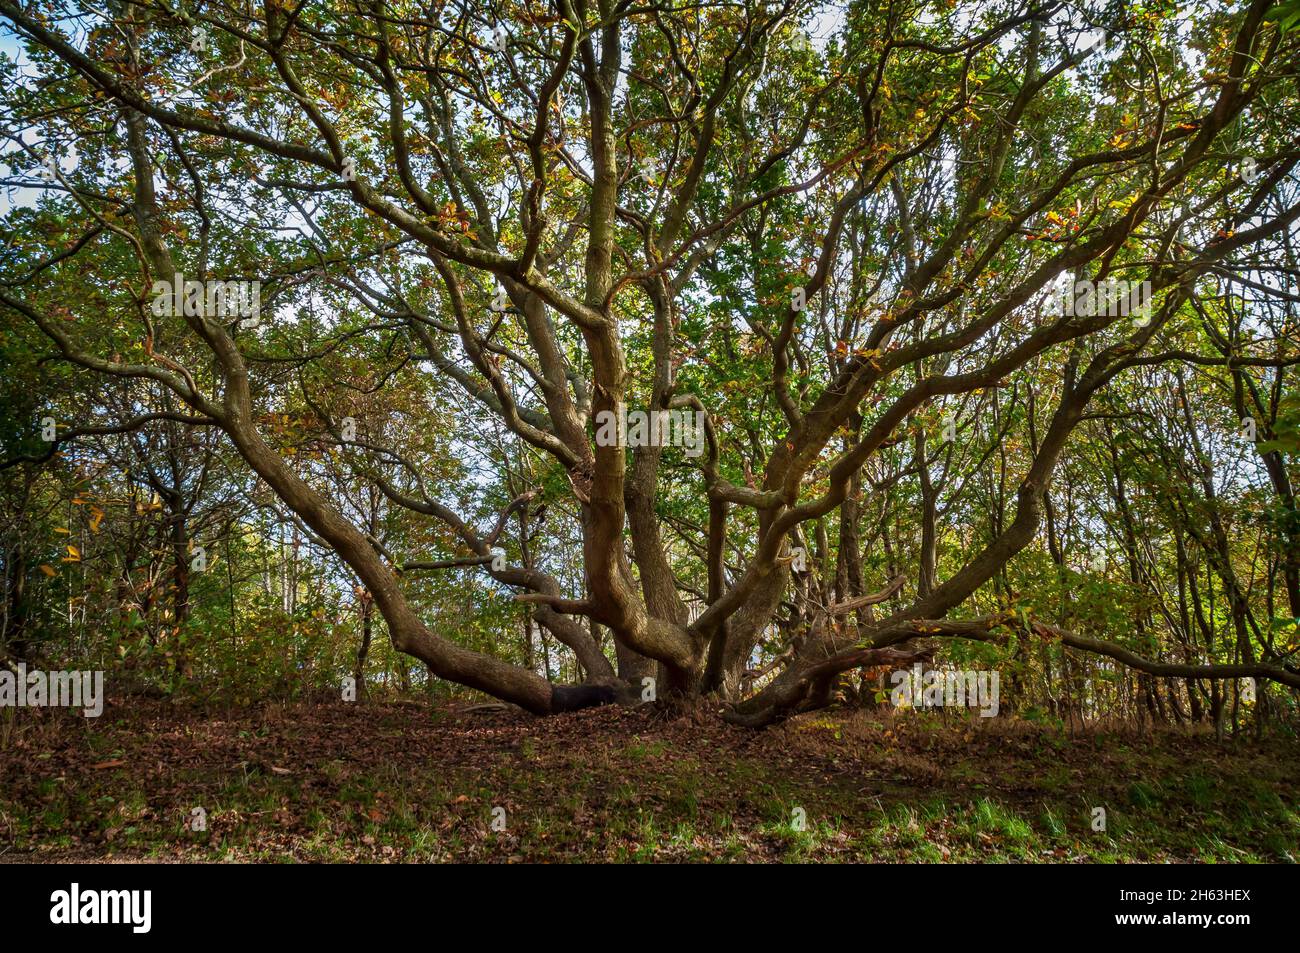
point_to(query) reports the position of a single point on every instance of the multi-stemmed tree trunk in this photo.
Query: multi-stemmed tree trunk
(642, 156)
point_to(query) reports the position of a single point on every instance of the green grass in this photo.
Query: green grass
(839, 788)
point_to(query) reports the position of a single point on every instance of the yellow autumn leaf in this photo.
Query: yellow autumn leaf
(48, 570)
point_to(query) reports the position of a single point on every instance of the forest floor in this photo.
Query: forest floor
(404, 782)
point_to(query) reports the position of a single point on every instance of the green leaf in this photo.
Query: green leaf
(1286, 15)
